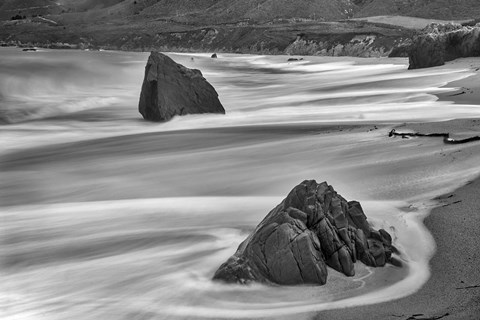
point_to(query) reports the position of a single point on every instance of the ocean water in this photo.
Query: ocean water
(106, 216)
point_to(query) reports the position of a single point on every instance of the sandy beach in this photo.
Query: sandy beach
(110, 217)
(453, 290)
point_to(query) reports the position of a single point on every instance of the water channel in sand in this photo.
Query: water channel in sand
(106, 216)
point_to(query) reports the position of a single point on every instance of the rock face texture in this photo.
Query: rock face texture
(171, 89)
(312, 228)
(443, 42)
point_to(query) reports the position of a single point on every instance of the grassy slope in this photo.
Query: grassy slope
(9, 8)
(207, 11)
(84, 5)
(434, 9)
(215, 11)
(403, 21)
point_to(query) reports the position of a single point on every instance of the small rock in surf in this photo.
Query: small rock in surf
(312, 228)
(170, 89)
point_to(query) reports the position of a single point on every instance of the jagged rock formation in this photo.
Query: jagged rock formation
(402, 49)
(439, 43)
(171, 89)
(350, 45)
(312, 228)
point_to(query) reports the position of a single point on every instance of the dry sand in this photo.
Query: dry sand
(453, 290)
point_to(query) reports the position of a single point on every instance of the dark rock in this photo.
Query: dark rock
(312, 228)
(427, 51)
(171, 89)
(294, 59)
(214, 56)
(386, 237)
(439, 43)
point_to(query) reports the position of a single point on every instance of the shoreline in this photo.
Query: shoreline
(453, 289)
(468, 89)
(178, 50)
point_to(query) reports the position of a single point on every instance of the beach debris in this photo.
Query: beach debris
(445, 136)
(468, 287)
(421, 316)
(171, 89)
(312, 228)
(449, 204)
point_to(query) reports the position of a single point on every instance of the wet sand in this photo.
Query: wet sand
(453, 290)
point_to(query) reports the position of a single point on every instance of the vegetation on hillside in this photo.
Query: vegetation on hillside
(257, 26)
(432, 9)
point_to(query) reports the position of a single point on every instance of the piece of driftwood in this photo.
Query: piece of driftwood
(446, 136)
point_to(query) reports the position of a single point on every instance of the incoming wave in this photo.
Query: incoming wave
(160, 254)
(49, 84)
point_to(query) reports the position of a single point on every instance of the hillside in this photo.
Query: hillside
(430, 9)
(86, 5)
(257, 11)
(257, 26)
(404, 21)
(190, 11)
(10, 8)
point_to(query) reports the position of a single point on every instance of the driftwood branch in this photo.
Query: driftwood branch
(468, 287)
(446, 136)
(421, 316)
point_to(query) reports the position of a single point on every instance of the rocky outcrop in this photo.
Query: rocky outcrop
(349, 45)
(312, 228)
(439, 43)
(171, 89)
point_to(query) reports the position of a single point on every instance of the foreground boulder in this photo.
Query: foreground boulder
(439, 43)
(171, 89)
(312, 228)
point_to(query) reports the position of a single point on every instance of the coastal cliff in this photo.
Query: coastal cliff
(346, 38)
(438, 43)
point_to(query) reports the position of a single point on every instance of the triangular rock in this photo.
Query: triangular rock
(171, 89)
